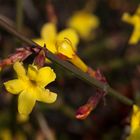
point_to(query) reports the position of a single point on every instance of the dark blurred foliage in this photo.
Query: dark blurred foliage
(109, 51)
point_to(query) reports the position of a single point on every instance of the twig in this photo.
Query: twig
(81, 75)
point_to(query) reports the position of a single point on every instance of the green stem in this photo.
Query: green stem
(80, 74)
(19, 14)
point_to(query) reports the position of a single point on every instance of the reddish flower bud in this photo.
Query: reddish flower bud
(39, 60)
(20, 55)
(99, 76)
(85, 110)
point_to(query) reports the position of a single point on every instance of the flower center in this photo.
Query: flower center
(33, 83)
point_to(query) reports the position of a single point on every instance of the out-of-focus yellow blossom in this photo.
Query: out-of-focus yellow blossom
(22, 118)
(135, 124)
(5, 134)
(31, 86)
(135, 21)
(84, 23)
(49, 36)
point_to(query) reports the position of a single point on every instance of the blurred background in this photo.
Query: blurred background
(106, 47)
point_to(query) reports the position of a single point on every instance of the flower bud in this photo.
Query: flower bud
(65, 48)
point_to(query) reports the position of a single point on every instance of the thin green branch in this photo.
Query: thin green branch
(81, 75)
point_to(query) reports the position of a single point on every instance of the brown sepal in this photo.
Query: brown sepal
(39, 60)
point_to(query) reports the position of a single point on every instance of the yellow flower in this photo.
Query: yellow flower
(135, 21)
(31, 86)
(69, 34)
(63, 44)
(22, 118)
(50, 37)
(5, 134)
(84, 23)
(66, 49)
(135, 124)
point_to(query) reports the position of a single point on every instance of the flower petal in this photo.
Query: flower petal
(48, 31)
(18, 67)
(135, 37)
(83, 22)
(51, 46)
(40, 41)
(79, 63)
(65, 48)
(26, 102)
(71, 35)
(130, 19)
(135, 119)
(45, 76)
(32, 72)
(14, 86)
(45, 96)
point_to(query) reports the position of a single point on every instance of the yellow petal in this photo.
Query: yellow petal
(135, 109)
(40, 41)
(65, 48)
(83, 22)
(71, 35)
(126, 17)
(51, 47)
(45, 76)
(135, 37)
(135, 135)
(138, 10)
(135, 124)
(79, 63)
(32, 72)
(22, 118)
(46, 96)
(26, 102)
(48, 31)
(135, 120)
(14, 86)
(5, 134)
(130, 19)
(21, 73)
